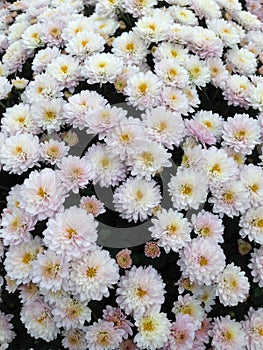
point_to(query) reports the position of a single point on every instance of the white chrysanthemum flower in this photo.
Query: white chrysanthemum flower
(42, 194)
(225, 30)
(77, 24)
(5, 87)
(44, 86)
(37, 318)
(206, 8)
(31, 38)
(171, 230)
(149, 160)
(189, 305)
(51, 34)
(126, 137)
(232, 286)
(105, 26)
(164, 126)
(74, 173)
(218, 167)
(153, 330)
(174, 99)
(138, 9)
(15, 56)
(6, 330)
(105, 168)
(71, 233)
(19, 258)
(140, 290)
(252, 178)
(188, 189)
(171, 73)
(81, 107)
(143, 89)
(66, 70)
(50, 270)
(170, 50)
(16, 225)
(231, 198)
(53, 151)
(193, 156)
(241, 61)
(103, 335)
(212, 121)
(253, 326)
(130, 48)
(28, 292)
(18, 119)
(135, 199)
(206, 295)
(92, 275)
(251, 224)
(236, 90)
(198, 71)
(256, 265)
(48, 116)
(43, 57)
(19, 153)
(74, 339)
(71, 313)
(208, 225)
(102, 68)
(218, 71)
(183, 15)
(255, 97)
(227, 334)
(153, 28)
(201, 260)
(104, 119)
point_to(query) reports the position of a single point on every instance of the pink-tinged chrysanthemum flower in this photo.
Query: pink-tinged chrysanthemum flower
(231, 198)
(171, 230)
(139, 290)
(105, 168)
(208, 225)
(66, 71)
(188, 189)
(123, 258)
(70, 313)
(237, 90)
(38, 320)
(232, 286)
(19, 153)
(6, 330)
(152, 250)
(153, 330)
(5, 87)
(74, 173)
(2, 251)
(212, 121)
(42, 194)
(102, 68)
(28, 292)
(102, 335)
(251, 224)
(164, 126)
(50, 270)
(74, 339)
(53, 151)
(126, 137)
(256, 265)
(174, 99)
(218, 166)
(93, 275)
(72, 232)
(19, 258)
(191, 306)
(182, 333)
(227, 334)
(143, 89)
(135, 199)
(202, 260)
(128, 344)
(81, 106)
(201, 335)
(115, 315)
(43, 57)
(253, 326)
(171, 73)
(241, 133)
(16, 225)
(92, 205)
(149, 160)
(200, 132)
(252, 178)
(206, 295)
(193, 155)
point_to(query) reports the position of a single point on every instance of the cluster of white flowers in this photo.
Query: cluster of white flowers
(160, 58)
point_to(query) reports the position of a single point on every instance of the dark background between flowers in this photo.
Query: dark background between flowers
(211, 99)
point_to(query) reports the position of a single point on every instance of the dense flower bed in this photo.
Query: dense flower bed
(158, 87)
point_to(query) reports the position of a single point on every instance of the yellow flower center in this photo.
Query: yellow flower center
(70, 232)
(216, 168)
(130, 47)
(138, 195)
(203, 261)
(91, 272)
(103, 338)
(49, 115)
(142, 88)
(147, 158)
(42, 193)
(27, 258)
(148, 325)
(141, 293)
(254, 187)
(228, 197)
(240, 135)
(205, 231)
(186, 190)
